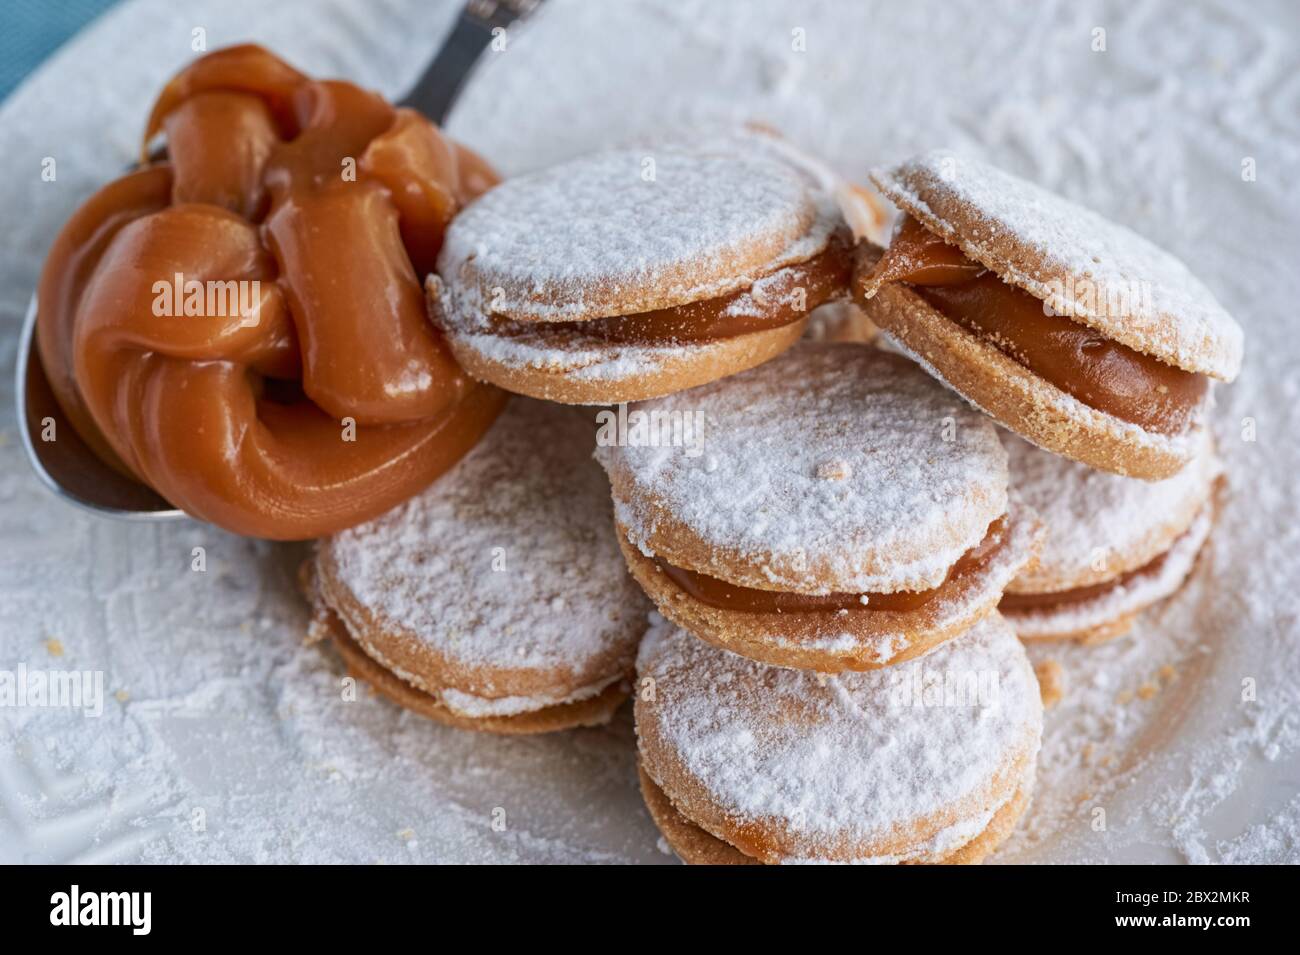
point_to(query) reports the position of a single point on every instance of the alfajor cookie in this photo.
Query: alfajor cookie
(638, 272)
(1072, 331)
(836, 510)
(1114, 545)
(495, 600)
(931, 761)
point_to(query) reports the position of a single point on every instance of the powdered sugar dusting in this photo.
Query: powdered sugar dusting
(1274, 842)
(1142, 591)
(906, 449)
(466, 310)
(567, 353)
(839, 759)
(475, 707)
(1174, 317)
(878, 643)
(541, 245)
(1100, 525)
(222, 708)
(947, 840)
(506, 560)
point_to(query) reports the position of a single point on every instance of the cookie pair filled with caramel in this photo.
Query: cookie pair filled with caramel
(837, 510)
(637, 272)
(932, 761)
(1113, 545)
(1072, 331)
(481, 604)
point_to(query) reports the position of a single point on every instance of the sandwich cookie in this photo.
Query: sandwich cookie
(1114, 546)
(838, 510)
(932, 761)
(1072, 331)
(634, 273)
(496, 599)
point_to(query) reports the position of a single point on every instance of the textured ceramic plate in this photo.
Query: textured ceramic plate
(223, 737)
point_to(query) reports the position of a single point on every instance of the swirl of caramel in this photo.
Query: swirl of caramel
(241, 326)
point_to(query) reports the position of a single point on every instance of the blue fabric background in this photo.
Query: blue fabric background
(30, 30)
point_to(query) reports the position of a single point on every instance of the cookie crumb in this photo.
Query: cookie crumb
(1051, 681)
(834, 471)
(318, 629)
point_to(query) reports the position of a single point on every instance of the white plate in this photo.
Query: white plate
(224, 738)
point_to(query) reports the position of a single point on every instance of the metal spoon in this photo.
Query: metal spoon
(66, 465)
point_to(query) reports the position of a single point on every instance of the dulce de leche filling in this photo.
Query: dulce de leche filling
(1077, 595)
(242, 326)
(726, 596)
(1101, 373)
(781, 298)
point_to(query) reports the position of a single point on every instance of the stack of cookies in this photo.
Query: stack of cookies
(831, 562)
(842, 554)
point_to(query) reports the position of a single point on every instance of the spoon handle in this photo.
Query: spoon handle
(438, 86)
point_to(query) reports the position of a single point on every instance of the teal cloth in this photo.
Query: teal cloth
(30, 30)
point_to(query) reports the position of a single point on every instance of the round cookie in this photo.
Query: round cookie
(1070, 330)
(637, 272)
(930, 761)
(1113, 545)
(836, 509)
(496, 599)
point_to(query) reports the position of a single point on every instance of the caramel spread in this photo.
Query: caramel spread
(725, 596)
(781, 298)
(326, 397)
(1099, 372)
(1062, 598)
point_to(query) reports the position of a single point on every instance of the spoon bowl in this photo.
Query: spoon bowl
(61, 459)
